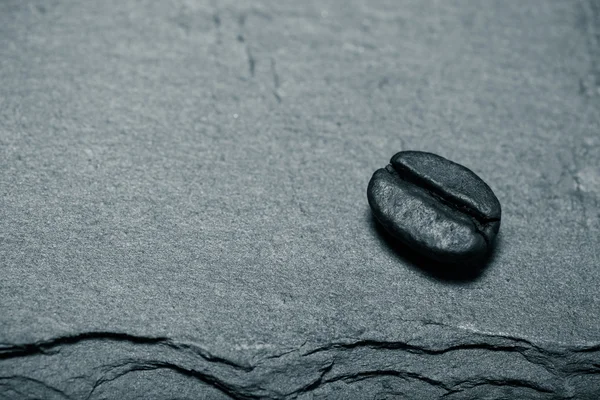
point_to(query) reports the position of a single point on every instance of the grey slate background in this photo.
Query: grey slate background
(183, 204)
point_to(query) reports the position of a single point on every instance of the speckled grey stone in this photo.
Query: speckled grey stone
(183, 210)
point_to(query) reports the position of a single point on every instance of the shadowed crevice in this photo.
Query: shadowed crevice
(309, 369)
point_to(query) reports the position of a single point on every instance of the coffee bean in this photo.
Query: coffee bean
(435, 206)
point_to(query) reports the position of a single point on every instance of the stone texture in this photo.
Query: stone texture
(183, 211)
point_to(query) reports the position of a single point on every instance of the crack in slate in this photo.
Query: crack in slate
(405, 375)
(134, 366)
(46, 347)
(315, 383)
(516, 383)
(276, 81)
(260, 380)
(241, 38)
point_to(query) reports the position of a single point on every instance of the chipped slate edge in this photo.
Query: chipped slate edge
(311, 367)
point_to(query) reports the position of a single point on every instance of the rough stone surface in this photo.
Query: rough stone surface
(183, 211)
(436, 207)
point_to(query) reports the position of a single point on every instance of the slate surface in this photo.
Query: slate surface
(183, 207)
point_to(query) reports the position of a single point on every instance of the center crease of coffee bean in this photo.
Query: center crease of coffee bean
(479, 221)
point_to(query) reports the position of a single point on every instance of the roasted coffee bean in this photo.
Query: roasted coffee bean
(437, 207)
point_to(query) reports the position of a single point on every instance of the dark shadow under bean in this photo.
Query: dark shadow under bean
(448, 273)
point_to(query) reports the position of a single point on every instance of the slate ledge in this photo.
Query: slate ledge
(459, 365)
